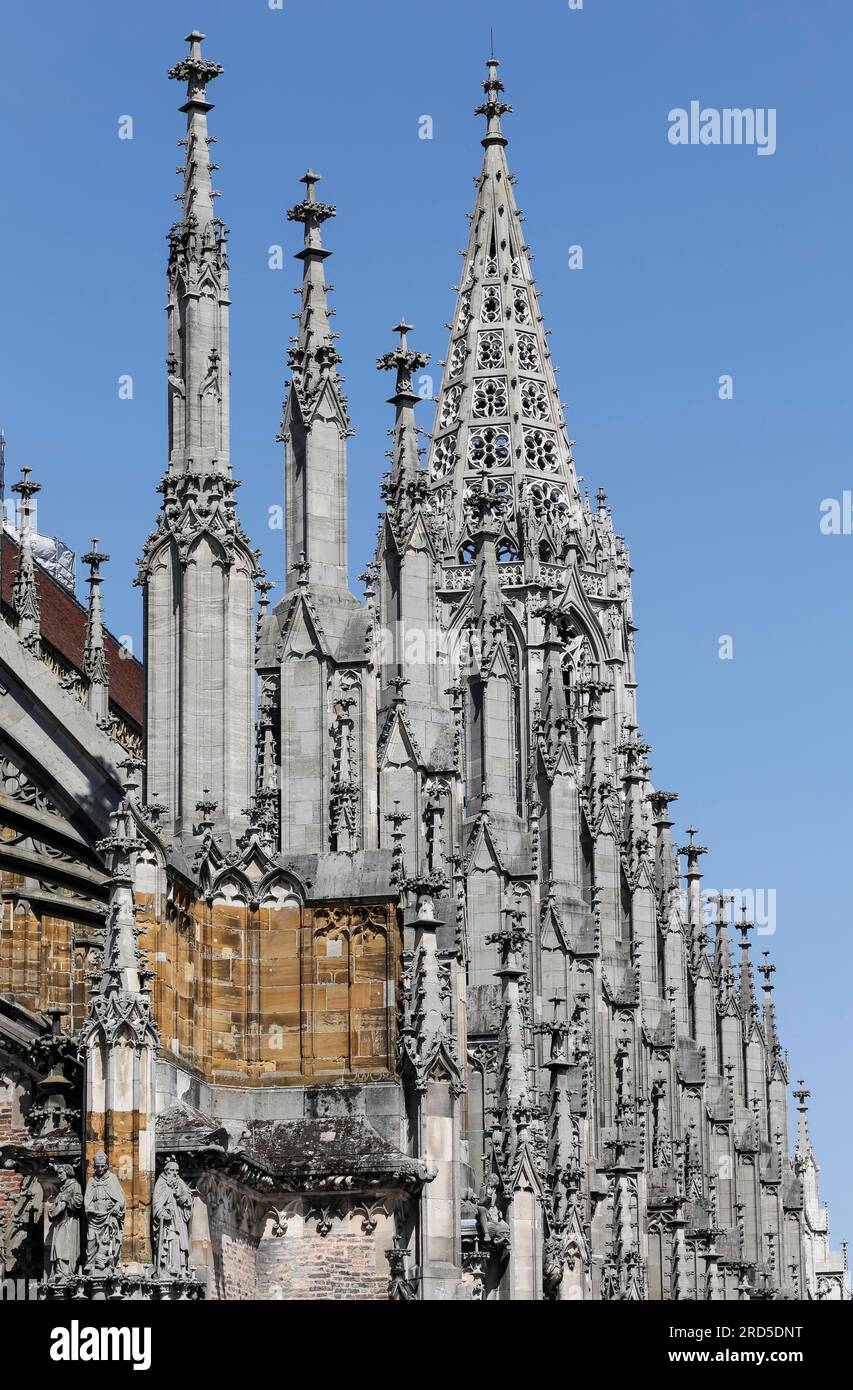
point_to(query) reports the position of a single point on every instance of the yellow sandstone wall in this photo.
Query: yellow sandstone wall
(44, 956)
(277, 993)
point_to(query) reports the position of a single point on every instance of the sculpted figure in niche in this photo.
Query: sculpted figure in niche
(493, 1228)
(105, 1206)
(469, 1204)
(20, 1247)
(63, 1237)
(172, 1212)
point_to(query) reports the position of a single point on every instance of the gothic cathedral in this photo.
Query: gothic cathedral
(346, 950)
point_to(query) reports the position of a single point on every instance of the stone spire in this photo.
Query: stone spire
(634, 778)
(598, 779)
(25, 597)
(197, 72)
(121, 972)
(746, 982)
(316, 423)
(405, 459)
(197, 569)
(499, 413)
(666, 875)
(804, 1150)
(698, 936)
(771, 1036)
(95, 655)
(723, 972)
(197, 359)
(314, 357)
(118, 1041)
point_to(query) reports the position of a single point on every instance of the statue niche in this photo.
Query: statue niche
(63, 1237)
(172, 1219)
(105, 1207)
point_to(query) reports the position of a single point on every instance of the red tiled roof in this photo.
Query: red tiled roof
(63, 627)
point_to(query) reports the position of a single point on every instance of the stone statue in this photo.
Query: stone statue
(469, 1204)
(63, 1237)
(105, 1208)
(493, 1228)
(553, 1256)
(172, 1213)
(20, 1248)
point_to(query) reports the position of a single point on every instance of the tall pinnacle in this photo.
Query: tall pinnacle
(315, 427)
(723, 972)
(693, 874)
(197, 567)
(804, 1143)
(493, 108)
(196, 71)
(120, 998)
(499, 413)
(25, 598)
(197, 355)
(405, 361)
(313, 356)
(771, 1035)
(95, 655)
(746, 991)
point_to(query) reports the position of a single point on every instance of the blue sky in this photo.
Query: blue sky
(698, 261)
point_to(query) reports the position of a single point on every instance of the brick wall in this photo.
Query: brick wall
(233, 1263)
(348, 1264)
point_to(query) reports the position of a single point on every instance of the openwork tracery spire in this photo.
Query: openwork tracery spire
(499, 414)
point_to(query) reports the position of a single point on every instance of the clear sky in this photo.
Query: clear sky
(698, 261)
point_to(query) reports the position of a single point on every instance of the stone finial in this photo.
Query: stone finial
(95, 653)
(263, 588)
(311, 213)
(303, 570)
(692, 852)
(405, 455)
(25, 597)
(493, 108)
(206, 808)
(406, 360)
(196, 71)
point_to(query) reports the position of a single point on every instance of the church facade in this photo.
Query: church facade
(346, 950)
